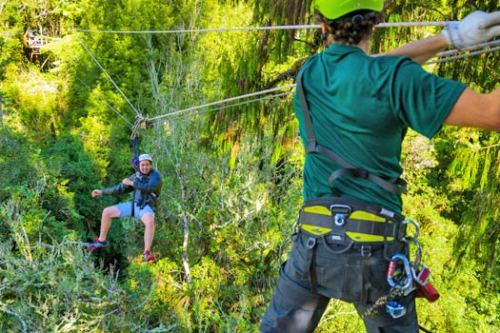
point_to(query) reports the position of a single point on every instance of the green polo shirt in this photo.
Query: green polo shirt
(361, 108)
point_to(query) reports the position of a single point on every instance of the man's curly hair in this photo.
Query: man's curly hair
(352, 28)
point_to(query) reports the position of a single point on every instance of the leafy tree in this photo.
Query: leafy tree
(232, 176)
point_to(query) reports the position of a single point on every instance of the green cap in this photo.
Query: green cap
(334, 9)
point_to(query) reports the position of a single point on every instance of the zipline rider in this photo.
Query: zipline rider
(146, 186)
(354, 111)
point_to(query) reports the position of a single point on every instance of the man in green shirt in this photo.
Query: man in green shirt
(354, 110)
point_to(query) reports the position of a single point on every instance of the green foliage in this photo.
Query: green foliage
(16, 162)
(472, 183)
(232, 177)
(31, 185)
(67, 159)
(51, 287)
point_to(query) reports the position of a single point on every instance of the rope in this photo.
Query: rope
(241, 103)
(109, 77)
(194, 108)
(281, 27)
(109, 105)
(413, 24)
(474, 47)
(204, 30)
(139, 122)
(467, 55)
(258, 93)
(274, 27)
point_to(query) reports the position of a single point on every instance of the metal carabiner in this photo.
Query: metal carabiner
(391, 270)
(415, 224)
(340, 213)
(395, 309)
(418, 254)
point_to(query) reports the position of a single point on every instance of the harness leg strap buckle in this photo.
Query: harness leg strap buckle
(311, 243)
(366, 250)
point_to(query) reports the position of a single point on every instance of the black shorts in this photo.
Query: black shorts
(350, 276)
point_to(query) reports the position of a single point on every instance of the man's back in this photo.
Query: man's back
(361, 107)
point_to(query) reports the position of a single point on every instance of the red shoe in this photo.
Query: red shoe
(148, 256)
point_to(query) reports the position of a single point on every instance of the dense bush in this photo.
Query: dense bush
(232, 179)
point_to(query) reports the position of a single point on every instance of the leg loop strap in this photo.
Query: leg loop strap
(311, 256)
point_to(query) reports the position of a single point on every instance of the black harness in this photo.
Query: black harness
(339, 222)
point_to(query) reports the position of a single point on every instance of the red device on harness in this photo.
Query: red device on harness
(424, 287)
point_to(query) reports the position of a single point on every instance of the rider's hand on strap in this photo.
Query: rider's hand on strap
(475, 28)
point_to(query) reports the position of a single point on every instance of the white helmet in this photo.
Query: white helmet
(145, 157)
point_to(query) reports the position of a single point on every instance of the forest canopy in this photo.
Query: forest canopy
(70, 97)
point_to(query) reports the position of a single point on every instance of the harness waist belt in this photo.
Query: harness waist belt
(340, 218)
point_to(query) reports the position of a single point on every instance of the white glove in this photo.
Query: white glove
(475, 28)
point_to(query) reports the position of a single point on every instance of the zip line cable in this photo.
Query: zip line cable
(263, 92)
(239, 104)
(474, 47)
(181, 112)
(235, 98)
(277, 27)
(184, 112)
(109, 77)
(250, 101)
(108, 104)
(462, 56)
(272, 27)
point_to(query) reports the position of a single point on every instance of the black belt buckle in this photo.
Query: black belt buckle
(340, 213)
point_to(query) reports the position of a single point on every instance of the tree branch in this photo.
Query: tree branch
(185, 260)
(311, 45)
(292, 72)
